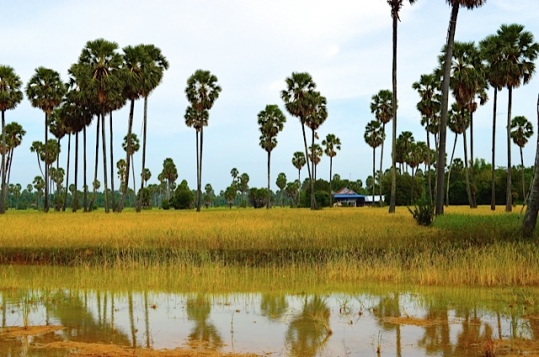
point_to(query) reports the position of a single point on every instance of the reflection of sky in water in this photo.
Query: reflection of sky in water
(242, 325)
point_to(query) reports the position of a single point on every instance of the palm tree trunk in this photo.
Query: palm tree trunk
(199, 174)
(105, 179)
(449, 170)
(493, 173)
(134, 182)
(468, 190)
(508, 193)
(382, 159)
(472, 162)
(120, 206)
(440, 168)
(427, 163)
(46, 204)
(313, 198)
(307, 162)
(393, 196)
(373, 170)
(523, 183)
(113, 200)
(85, 181)
(144, 131)
(331, 181)
(75, 203)
(269, 198)
(530, 218)
(57, 199)
(91, 204)
(3, 169)
(67, 171)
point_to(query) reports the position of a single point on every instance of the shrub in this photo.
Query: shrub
(423, 212)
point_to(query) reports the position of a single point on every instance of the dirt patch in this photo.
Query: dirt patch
(12, 332)
(106, 350)
(409, 320)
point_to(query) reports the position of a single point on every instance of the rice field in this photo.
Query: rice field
(339, 245)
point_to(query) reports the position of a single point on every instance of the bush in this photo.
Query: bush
(183, 197)
(423, 212)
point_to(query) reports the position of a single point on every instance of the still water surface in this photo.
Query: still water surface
(403, 323)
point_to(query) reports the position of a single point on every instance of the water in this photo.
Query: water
(394, 323)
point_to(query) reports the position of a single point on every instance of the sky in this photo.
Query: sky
(252, 47)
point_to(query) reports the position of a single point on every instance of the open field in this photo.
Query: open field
(465, 247)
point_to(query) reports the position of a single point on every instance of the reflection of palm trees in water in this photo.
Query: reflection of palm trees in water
(273, 306)
(437, 333)
(309, 330)
(389, 306)
(198, 310)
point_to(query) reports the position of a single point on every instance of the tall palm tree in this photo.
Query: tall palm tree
(153, 70)
(446, 75)
(100, 77)
(396, 6)
(519, 52)
(133, 57)
(490, 53)
(374, 137)
(300, 99)
(14, 135)
(315, 155)
(468, 83)
(59, 129)
(332, 145)
(45, 90)
(459, 121)
(521, 132)
(271, 121)
(10, 96)
(382, 108)
(428, 88)
(281, 183)
(202, 91)
(316, 118)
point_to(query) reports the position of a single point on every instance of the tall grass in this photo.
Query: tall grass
(464, 247)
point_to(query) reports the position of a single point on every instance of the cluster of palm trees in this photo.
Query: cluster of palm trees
(102, 81)
(503, 60)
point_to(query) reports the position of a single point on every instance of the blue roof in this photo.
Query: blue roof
(348, 196)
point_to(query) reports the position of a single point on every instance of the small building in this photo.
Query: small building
(347, 197)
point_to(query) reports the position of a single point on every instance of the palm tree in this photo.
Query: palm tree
(152, 73)
(45, 90)
(169, 174)
(518, 51)
(281, 183)
(234, 173)
(131, 146)
(300, 100)
(243, 186)
(317, 116)
(522, 130)
(298, 160)
(382, 108)
(202, 91)
(428, 88)
(315, 152)
(467, 83)
(374, 137)
(14, 135)
(459, 121)
(332, 144)
(446, 75)
(59, 129)
(490, 52)
(99, 74)
(396, 6)
(271, 121)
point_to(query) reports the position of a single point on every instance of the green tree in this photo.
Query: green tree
(14, 135)
(332, 145)
(459, 121)
(243, 186)
(446, 76)
(519, 52)
(281, 183)
(202, 91)
(99, 75)
(153, 69)
(382, 108)
(521, 132)
(208, 195)
(45, 90)
(271, 121)
(374, 137)
(131, 146)
(169, 174)
(396, 6)
(428, 88)
(302, 101)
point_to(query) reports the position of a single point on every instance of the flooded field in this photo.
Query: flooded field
(397, 322)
